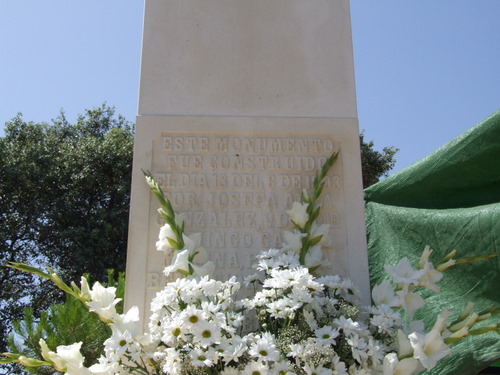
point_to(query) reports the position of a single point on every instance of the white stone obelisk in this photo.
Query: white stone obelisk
(240, 102)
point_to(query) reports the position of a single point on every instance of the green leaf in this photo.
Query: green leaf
(5, 361)
(314, 241)
(30, 269)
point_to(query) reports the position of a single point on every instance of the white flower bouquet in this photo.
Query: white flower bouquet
(306, 324)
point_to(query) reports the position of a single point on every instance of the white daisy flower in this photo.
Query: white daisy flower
(256, 368)
(206, 333)
(264, 349)
(326, 335)
(200, 357)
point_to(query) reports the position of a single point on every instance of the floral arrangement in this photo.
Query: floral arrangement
(307, 324)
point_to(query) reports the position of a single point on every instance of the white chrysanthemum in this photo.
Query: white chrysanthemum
(230, 371)
(256, 368)
(200, 357)
(317, 370)
(385, 319)
(348, 326)
(104, 367)
(338, 366)
(358, 348)
(264, 348)
(326, 335)
(172, 362)
(206, 333)
(118, 343)
(310, 319)
(281, 368)
(172, 332)
(301, 295)
(231, 349)
(191, 315)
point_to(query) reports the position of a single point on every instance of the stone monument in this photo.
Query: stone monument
(240, 102)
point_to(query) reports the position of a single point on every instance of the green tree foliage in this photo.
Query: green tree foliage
(62, 324)
(375, 164)
(64, 201)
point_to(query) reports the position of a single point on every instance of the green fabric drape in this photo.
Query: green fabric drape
(448, 200)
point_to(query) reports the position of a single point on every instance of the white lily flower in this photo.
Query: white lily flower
(298, 213)
(429, 348)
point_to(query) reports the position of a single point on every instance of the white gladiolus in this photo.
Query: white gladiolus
(430, 277)
(394, 366)
(85, 290)
(103, 301)
(383, 294)
(404, 274)
(179, 263)
(306, 324)
(66, 358)
(314, 257)
(298, 213)
(324, 231)
(429, 348)
(442, 321)
(162, 244)
(410, 302)
(293, 240)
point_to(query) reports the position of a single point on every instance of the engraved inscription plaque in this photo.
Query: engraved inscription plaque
(235, 188)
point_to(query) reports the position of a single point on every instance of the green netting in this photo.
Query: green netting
(448, 200)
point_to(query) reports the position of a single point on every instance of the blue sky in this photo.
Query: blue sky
(426, 70)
